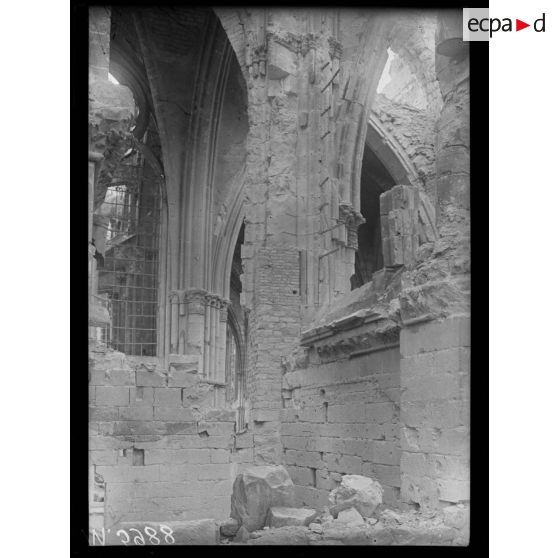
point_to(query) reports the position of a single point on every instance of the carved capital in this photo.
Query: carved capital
(198, 299)
(307, 42)
(215, 301)
(352, 219)
(195, 300)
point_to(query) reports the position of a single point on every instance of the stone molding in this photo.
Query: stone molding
(367, 330)
(356, 337)
(297, 44)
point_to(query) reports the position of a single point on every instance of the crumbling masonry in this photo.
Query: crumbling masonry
(279, 258)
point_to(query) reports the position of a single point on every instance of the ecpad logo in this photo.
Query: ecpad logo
(478, 26)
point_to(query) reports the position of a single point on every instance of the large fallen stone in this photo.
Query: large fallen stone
(242, 535)
(258, 489)
(350, 517)
(355, 491)
(282, 517)
(229, 527)
(196, 532)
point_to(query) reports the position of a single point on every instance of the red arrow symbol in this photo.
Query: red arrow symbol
(519, 25)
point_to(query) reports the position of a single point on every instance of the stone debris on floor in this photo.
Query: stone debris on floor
(355, 491)
(355, 516)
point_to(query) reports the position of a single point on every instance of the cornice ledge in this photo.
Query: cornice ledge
(352, 321)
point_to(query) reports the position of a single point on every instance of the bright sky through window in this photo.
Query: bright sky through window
(385, 78)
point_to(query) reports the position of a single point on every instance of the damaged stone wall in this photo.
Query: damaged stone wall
(158, 449)
(435, 412)
(380, 385)
(307, 94)
(434, 307)
(341, 416)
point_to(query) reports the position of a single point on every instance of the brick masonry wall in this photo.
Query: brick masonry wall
(157, 449)
(342, 418)
(274, 330)
(435, 406)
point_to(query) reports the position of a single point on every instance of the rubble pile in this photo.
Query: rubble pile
(263, 513)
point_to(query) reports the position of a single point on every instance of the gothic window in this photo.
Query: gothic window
(128, 275)
(235, 349)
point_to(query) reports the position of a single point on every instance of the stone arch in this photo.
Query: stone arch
(124, 66)
(359, 86)
(406, 116)
(414, 45)
(390, 152)
(232, 24)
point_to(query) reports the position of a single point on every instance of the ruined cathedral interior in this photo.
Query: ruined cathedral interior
(279, 276)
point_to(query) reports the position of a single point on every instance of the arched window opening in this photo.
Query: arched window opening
(128, 273)
(235, 359)
(375, 180)
(233, 363)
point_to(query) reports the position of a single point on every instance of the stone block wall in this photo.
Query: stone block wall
(435, 406)
(158, 450)
(342, 417)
